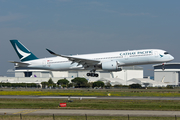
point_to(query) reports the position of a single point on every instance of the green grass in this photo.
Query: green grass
(13, 117)
(92, 92)
(91, 104)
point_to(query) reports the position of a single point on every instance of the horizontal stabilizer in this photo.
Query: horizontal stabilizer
(19, 63)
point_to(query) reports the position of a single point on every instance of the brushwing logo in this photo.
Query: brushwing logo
(22, 53)
(161, 55)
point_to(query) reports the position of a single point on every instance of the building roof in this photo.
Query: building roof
(146, 81)
(167, 66)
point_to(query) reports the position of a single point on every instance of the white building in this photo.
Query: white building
(168, 73)
(38, 76)
(145, 82)
(126, 73)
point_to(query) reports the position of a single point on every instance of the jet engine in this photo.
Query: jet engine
(111, 66)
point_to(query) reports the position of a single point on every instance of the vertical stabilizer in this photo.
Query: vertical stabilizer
(23, 53)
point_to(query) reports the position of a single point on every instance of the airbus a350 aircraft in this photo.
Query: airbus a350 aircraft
(109, 61)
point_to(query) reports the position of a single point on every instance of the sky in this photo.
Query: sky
(88, 26)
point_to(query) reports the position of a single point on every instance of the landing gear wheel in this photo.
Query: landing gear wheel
(96, 75)
(92, 74)
(88, 74)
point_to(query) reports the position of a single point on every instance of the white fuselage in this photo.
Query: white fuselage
(123, 58)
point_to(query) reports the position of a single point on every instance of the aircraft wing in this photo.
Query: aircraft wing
(80, 61)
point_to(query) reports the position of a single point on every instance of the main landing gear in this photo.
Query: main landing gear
(163, 66)
(92, 74)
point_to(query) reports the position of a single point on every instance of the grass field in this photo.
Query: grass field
(91, 104)
(6, 117)
(92, 92)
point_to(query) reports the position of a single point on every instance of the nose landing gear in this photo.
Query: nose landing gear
(163, 67)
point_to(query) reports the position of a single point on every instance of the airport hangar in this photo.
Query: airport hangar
(128, 75)
(168, 73)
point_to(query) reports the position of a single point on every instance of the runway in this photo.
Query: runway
(87, 112)
(89, 97)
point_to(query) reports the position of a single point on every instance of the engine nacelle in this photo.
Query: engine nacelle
(111, 66)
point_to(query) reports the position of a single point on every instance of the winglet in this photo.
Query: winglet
(53, 53)
(50, 51)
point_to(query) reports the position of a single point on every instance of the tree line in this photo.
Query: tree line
(75, 83)
(25, 85)
(64, 83)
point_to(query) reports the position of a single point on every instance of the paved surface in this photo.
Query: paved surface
(88, 112)
(88, 97)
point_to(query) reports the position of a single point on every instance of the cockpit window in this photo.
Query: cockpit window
(166, 53)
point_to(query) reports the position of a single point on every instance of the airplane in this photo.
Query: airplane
(109, 61)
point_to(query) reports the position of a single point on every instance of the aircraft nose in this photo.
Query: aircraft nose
(171, 57)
